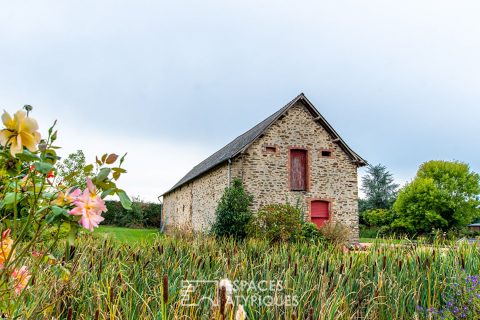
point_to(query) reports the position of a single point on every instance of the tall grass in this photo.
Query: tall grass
(111, 280)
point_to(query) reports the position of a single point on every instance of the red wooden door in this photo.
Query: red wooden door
(298, 170)
(319, 212)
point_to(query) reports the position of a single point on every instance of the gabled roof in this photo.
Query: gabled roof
(241, 143)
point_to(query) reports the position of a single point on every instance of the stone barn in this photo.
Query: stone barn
(293, 156)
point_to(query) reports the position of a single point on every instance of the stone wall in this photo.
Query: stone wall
(265, 168)
(193, 205)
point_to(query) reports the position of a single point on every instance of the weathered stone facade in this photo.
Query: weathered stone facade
(264, 168)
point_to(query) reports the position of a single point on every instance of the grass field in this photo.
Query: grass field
(126, 279)
(127, 235)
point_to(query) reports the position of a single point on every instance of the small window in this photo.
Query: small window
(271, 149)
(326, 153)
(298, 170)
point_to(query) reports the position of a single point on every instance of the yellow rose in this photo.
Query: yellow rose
(19, 131)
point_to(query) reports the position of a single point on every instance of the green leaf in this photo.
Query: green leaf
(56, 215)
(43, 167)
(88, 168)
(103, 174)
(124, 199)
(72, 234)
(106, 193)
(10, 198)
(123, 158)
(119, 170)
(27, 156)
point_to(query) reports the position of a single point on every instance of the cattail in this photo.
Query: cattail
(160, 250)
(223, 301)
(310, 314)
(427, 263)
(289, 259)
(69, 314)
(384, 262)
(294, 316)
(326, 266)
(341, 268)
(185, 276)
(350, 263)
(400, 264)
(165, 289)
(112, 294)
(100, 269)
(97, 315)
(295, 270)
(418, 260)
(463, 263)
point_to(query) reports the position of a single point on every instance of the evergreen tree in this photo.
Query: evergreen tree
(233, 212)
(379, 188)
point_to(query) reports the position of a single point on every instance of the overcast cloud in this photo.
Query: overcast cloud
(172, 81)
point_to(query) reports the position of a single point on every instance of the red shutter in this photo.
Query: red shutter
(298, 170)
(319, 212)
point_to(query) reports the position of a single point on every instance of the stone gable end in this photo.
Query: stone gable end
(264, 168)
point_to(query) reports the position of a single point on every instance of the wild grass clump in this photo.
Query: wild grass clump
(113, 280)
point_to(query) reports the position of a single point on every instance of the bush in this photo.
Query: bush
(277, 223)
(143, 214)
(368, 232)
(335, 232)
(233, 214)
(310, 232)
(378, 217)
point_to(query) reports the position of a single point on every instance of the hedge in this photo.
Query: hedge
(143, 214)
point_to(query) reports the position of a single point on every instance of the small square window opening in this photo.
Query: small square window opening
(326, 153)
(271, 149)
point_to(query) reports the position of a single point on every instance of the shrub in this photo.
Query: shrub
(277, 223)
(310, 232)
(335, 232)
(368, 232)
(143, 214)
(378, 217)
(233, 214)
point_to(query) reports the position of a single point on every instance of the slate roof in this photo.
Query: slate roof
(242, 142)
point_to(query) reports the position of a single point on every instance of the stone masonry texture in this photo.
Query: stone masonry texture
(264, 170)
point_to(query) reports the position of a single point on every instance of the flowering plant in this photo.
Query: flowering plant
(461, 300)
(33, 201)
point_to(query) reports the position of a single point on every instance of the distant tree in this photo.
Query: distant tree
(443, 195)
(379, 188)
(233, 213)
(71, 170)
